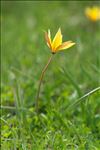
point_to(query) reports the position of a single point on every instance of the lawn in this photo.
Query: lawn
(69, 102)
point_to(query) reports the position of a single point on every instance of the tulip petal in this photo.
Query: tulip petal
(49, 35)
(48, 38)
(57, 40)
(65, 45)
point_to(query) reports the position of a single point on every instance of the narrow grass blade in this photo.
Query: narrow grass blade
(14, 108)
(84, 96)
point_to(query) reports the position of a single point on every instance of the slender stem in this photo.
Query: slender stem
(40, 81)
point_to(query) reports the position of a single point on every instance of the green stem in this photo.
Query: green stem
(40, 81)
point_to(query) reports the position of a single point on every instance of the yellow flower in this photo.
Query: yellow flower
(93, 13)
(56, 44)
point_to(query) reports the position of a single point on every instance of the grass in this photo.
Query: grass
(69, 114)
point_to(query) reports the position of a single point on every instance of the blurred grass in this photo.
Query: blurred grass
(72, 73)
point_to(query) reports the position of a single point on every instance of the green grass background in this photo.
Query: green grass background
(72, 73)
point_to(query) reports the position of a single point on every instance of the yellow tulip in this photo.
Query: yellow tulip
(56, 44)
(93, 13)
